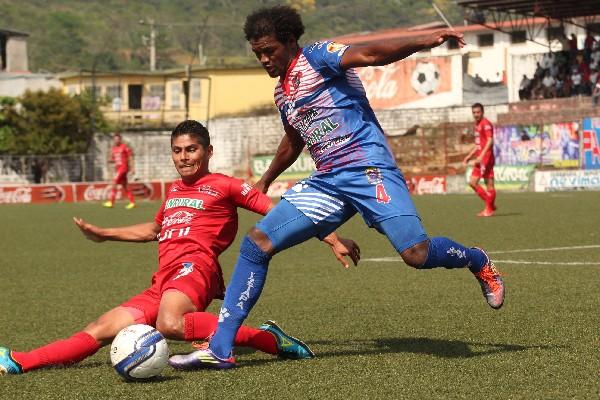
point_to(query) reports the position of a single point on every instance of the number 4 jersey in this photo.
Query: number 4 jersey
(201, 220)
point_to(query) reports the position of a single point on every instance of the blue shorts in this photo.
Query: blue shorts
(317, 206)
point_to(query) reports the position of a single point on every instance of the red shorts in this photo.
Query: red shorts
(120, 178)
(484, 170)
(197, 279)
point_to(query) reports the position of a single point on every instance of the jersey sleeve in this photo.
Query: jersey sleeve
(128, 151)
(325, 58)
(245, 196)
(488, 131)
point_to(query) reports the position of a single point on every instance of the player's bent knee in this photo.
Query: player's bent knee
(416, 256)
(170, 328)
(261, 240)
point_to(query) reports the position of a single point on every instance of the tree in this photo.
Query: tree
(49, 123)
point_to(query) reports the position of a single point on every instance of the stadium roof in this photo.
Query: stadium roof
(555, 9)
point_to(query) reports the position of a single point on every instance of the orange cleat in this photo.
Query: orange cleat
(491, 283)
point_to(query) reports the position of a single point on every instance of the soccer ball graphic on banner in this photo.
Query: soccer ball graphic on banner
(139, 352)
(425, 78)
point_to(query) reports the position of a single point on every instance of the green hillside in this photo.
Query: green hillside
(107, 35)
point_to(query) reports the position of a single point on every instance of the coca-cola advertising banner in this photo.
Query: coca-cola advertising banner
(396, 84)
(76, 192)
(428, 184)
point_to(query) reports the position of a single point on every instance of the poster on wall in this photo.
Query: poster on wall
(548, 181)
(554, 145)
(590, 152)
(510, 177)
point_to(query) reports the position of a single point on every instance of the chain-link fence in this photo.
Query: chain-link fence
(46, 168)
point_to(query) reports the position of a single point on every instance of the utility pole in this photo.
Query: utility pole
(152, 41)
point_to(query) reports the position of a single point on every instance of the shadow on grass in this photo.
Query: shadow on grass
(435, 347)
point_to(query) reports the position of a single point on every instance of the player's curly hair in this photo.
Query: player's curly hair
(194, 129)
(282, 21)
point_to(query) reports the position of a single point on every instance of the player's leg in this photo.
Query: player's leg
(128, 192)
(491, 189)
(474, 183)
(77, 347)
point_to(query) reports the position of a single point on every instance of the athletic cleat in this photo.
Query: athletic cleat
(130, 206)
(487, 212)
(107, 204)
(287, 346)
(491, 283)
(200, 359)
(8, 366)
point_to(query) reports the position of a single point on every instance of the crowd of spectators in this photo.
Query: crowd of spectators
(570, 72)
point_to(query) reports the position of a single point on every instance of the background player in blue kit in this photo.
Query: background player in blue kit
(324, 107)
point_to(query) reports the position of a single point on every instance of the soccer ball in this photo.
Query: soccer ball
(425, 78)
(139, 352)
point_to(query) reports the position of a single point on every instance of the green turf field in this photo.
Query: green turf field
(382, 330)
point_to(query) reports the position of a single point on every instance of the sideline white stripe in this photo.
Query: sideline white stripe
(591, 246)
(398, 259)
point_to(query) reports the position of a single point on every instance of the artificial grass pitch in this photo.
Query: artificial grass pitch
(380, 330)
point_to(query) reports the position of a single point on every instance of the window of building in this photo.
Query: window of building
(485, 40)
(518, 37)
(452, 44)
(176, 95)
(196, 93)
(113, 92)
(157, 91)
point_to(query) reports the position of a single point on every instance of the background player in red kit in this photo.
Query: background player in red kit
(122, 156)
(484, 162)
(194, 225)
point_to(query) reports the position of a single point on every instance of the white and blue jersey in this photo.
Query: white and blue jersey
(328, 107)
(356, 171)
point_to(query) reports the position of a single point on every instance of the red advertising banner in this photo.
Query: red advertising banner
(75, 192)
(427, 184)
(36, 194)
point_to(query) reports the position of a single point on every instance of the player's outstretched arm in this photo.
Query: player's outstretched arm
(387, 52)
(133, 233)
(289, 149)
(343, 248)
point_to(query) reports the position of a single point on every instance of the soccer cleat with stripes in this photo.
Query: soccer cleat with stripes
(287, 346)
(201, 359)
(8, 366)
(130, 206)
(491, 283)
(108, 204)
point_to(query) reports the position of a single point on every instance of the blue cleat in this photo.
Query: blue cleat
(200, 359)
(8, 366)
(288, 346)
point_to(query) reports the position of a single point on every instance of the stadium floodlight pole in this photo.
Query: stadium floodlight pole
(441, 14)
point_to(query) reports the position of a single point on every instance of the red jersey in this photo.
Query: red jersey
(120, 155)
(200, 220)
(484, 131)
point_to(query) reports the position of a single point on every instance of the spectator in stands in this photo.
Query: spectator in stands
(573, 49)
(559, 86)
(577, 88)
(593, 77)
(549, 83)
(596, 93)
(539, 72)
(588, 46)
(525, 88)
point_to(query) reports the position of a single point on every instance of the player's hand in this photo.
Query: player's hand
(91, 232)
(465, 162)
(478, 161)
(343, 248)
(261, 186)
(439, 37)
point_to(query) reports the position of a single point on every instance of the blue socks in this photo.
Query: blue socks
(244, 289)
(446, 253)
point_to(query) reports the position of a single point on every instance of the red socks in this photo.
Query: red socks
(492, 199)
(481, 193)
(113, 194)
(130, 196)
(62, 352)
(202, 325)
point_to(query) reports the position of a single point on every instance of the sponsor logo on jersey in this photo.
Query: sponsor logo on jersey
(246, 189)
(334, 47)
(332, 143)
(207, 189)
(306, 121)
(180, 217)
(325, 127)
(187, 269)
(374, 175)
(185, 202)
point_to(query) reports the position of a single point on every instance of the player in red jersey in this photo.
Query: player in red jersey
(122, 156)
(483, 165)
(194, 225)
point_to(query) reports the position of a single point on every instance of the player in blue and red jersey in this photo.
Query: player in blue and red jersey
(323, 106)
(122, 156)
(197, 221)
(483, 166)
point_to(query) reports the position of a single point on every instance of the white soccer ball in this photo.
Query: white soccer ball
(139, 352)
(425, 78)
